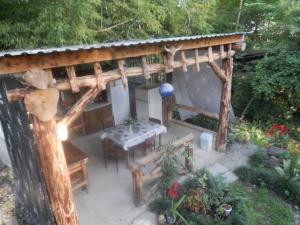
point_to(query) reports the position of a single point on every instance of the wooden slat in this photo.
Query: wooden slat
(123, 72)
(145, 68)
(99, 76)
(72, 78)
(200, 111)
(222, 53)
(183, 61)
(19, 64)
(51, 79)
(197, 60)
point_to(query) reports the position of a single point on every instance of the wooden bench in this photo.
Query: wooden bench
(77, 166)
(139, 174)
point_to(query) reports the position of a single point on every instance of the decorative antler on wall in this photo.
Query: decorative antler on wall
(171, 51)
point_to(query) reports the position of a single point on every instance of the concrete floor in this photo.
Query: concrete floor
(109, 200)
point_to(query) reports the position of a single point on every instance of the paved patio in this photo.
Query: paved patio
(110, 200)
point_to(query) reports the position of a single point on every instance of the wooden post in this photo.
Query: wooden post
(55, 170)
(221, 139)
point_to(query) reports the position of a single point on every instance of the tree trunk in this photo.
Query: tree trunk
(54, 168)
(221, 140)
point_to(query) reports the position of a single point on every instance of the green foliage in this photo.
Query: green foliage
(263, 207)
(246, 132)
(215, 193)
(169, 168)
(259, 158)
(36, 23)
(289, 170)
(270, 179)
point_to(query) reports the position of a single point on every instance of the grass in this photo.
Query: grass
(263, 207)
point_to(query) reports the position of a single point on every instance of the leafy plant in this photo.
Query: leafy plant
(173, 210)
(289, 168)
(280, 135)
(169, 167)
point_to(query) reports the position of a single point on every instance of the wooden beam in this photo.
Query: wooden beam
(183, 61)
(221, 139)
(19, 64)
(72, 78)
(203, 112)
(112, 75)
(79, 106)
(55, 170)
(99, 76)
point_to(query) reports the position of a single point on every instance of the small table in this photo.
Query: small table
(76, 161)
(140, 131)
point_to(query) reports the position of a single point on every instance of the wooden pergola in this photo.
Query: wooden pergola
(51, 154)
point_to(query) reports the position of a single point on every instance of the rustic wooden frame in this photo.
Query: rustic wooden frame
(49, 146)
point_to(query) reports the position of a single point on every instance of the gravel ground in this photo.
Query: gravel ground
(10, 211)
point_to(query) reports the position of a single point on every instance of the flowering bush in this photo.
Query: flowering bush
(279, 133)
(172, 213)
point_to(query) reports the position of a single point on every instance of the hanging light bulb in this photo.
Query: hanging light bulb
(62, 131)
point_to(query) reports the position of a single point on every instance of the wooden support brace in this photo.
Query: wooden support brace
(79, 106)
(55, 170)
(197, 60)
(123, 73)
(72, 78)
(99, 77)
(218, 71)
(183, 61)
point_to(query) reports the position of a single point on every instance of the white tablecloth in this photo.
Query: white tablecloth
(125, 137)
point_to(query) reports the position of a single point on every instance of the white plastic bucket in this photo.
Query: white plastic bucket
(206, 141)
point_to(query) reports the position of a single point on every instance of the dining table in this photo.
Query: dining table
(127, 136)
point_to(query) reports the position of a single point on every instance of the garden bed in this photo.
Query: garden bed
(267, 170)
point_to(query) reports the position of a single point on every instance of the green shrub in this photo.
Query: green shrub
(259, 158)
(271, 180)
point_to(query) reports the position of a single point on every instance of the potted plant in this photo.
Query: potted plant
(172, 213)
(130, 122)
(226, 209)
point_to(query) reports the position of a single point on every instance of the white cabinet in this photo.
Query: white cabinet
(148, 102)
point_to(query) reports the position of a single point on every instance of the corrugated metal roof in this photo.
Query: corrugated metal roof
(111, 45)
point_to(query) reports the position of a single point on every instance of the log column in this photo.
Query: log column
(221, 139)
(54, 168)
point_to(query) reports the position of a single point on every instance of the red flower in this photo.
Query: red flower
(172, 192)
(175, 185)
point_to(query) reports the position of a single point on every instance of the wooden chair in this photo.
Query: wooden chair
(154, 120)
(77, 166)
(112, 150)
(140, 175)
